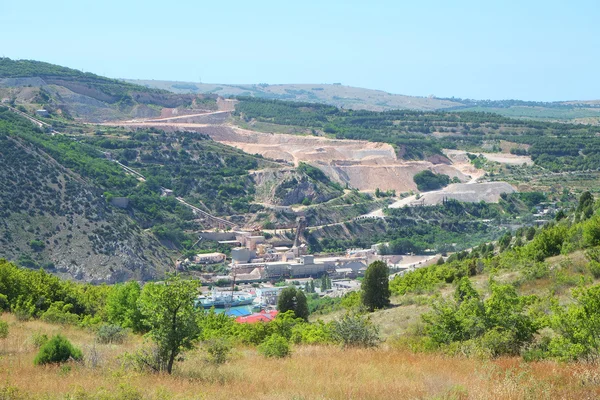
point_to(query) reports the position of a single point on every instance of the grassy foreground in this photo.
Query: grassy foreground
(312, 372)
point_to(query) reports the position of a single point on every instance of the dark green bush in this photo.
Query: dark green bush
(57, 350)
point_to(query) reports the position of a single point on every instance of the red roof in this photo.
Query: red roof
(263, 316)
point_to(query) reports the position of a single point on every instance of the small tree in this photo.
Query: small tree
(122, 308)
(275, 346)
(375, 286)
(169, 311)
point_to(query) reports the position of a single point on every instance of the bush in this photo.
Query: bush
(3, 329)
(4, 304)
(315, 333)
(60, 313)
(38, 339)
(594, 267)
(427, 180)
(145, 359)
(500, 342)
(355, 331)
(23, 310)
(275, 346)
(111, 334)
(217, 351)
(57, 350)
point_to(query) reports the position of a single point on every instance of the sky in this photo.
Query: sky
(541, 50)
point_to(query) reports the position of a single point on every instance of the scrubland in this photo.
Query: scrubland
(312, 372)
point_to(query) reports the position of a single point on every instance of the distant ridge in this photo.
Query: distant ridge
(334, 94)
(350, 97)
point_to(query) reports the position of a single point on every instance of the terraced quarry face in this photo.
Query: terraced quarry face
(361, 164)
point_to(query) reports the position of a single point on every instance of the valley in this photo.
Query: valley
(279, 162)
(218, 199)
(397, 200)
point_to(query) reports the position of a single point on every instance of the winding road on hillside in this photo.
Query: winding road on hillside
(171, 119)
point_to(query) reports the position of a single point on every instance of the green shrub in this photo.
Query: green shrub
(57, 350)
(111, 334)
(60, 313)
(217, 351)
(593, 254)
(4, 304)
(315, 333)
(12, 393)
(39, 339)
(23, 310)
(594, 267)
(355, 331)
(3, 329)
(275, 346)
(427, 180)
(500, 342)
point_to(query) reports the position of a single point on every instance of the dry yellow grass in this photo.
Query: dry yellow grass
(312, 372)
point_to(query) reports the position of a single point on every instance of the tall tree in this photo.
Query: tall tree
(169, 310)
(375, 286)
(292, 299)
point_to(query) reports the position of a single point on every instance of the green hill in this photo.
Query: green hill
(70, 93)
(53, 215)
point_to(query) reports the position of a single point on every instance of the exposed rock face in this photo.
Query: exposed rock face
(287, 186)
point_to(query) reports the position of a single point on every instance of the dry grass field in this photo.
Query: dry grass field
(312, 372)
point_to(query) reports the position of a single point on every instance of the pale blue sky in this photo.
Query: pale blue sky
(528, 49)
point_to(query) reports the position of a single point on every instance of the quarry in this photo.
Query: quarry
(363, 165)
